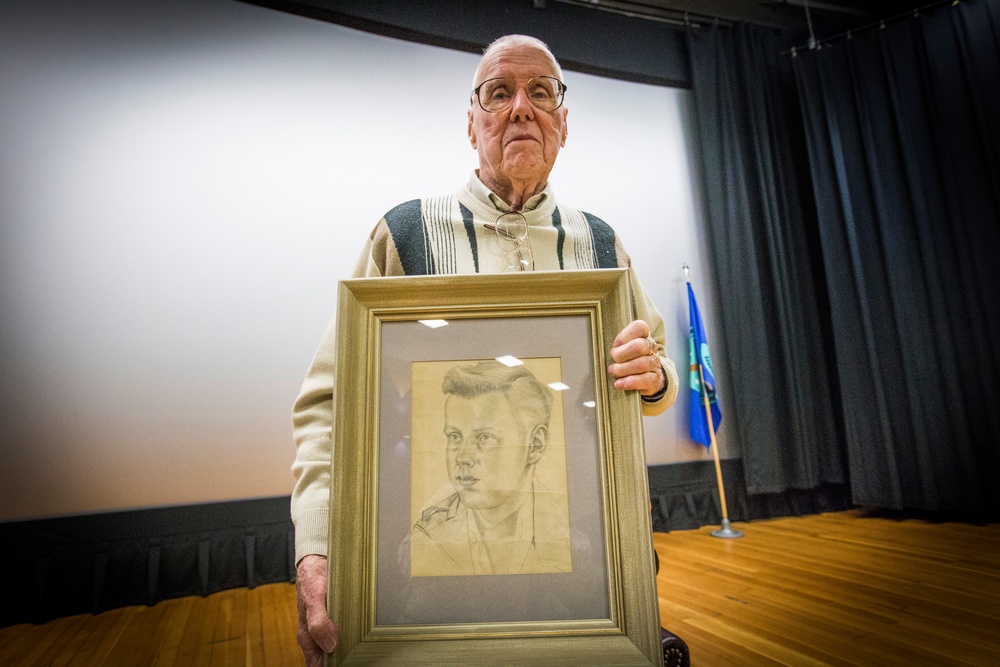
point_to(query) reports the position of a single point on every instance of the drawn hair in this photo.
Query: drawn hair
(530, 400)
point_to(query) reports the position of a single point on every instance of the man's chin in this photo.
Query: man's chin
(479, 500)
(472, 499)
(525, 165)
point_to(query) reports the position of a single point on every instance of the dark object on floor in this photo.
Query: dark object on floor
(675, 651)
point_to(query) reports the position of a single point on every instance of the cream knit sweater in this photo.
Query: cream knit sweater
(446, 235)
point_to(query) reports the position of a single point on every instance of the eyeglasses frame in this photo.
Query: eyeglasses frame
(503, 233)
(562, 93)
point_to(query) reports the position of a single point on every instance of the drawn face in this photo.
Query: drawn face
(489, 454)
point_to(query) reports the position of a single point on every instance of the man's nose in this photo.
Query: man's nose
(522, 109)
(466, 454)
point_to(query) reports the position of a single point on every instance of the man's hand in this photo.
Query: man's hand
(637, 360)
(317, 634)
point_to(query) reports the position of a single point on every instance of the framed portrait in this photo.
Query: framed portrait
(489, 501)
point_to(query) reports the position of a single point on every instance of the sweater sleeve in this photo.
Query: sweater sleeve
(312, 426)
(312, 419)
(646, 310)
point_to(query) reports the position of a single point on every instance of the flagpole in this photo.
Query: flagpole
(725, 531)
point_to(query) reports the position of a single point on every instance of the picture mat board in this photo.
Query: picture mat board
(578, 595)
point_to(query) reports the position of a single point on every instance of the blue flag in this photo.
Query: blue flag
(699, 355)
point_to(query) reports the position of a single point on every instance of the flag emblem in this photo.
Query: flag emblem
(701, 367)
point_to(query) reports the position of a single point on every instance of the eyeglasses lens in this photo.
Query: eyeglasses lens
(544, 92)
(518, 259)
(512, 226)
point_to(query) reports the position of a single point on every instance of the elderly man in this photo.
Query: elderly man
(499, 520)
(505, 218)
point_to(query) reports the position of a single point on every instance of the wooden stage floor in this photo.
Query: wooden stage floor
(845, 588)
(835, 589)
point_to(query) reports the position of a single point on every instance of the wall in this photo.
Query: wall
(181, 185)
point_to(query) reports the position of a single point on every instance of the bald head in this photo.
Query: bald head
(515, 42)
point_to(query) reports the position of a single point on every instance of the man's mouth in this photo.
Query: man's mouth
(466, 481)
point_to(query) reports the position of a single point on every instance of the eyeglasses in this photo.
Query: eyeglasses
(545, 93)
(513, 227)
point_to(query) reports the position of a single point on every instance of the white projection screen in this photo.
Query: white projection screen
(183, 182)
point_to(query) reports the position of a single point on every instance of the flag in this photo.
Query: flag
(699, 355)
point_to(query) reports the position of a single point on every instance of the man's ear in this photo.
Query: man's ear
(472, 133)
(537, 442)
(565, 129)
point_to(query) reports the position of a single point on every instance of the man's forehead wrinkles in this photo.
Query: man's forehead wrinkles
(523, 72)
(503, 63)
(519, 79)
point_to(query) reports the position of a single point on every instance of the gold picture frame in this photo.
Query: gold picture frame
(599, 607)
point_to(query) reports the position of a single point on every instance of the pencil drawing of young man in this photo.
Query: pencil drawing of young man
(499, 519)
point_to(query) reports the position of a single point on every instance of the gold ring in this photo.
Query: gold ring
(652, 347)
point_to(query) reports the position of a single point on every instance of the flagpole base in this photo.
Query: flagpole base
(727, 532)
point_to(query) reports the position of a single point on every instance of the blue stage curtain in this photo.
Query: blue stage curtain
(903, 127)
(763, 238)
